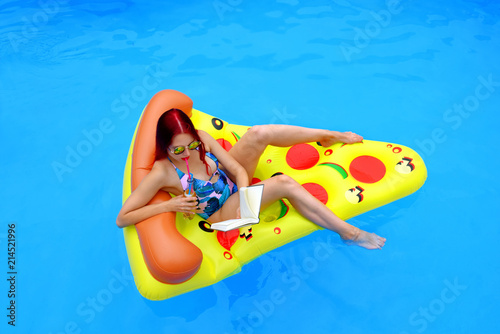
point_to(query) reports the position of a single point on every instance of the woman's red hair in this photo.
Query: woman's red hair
(170, 124)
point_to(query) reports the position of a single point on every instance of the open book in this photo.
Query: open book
(250, 199)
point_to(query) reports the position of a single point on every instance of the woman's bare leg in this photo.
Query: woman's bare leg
(311, 208)
(247, 152)
(252, 144)
(282, 186)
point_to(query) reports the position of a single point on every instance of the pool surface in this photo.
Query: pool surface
(75, 76)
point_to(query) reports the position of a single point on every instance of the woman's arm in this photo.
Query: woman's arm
(236, 171)
(136, 207)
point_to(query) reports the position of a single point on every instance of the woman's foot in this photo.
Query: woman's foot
(333, 137)
(363, 239)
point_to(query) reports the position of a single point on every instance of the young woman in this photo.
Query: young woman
(217, 175)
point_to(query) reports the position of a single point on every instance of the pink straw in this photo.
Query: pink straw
(189, 175)
(187, 165)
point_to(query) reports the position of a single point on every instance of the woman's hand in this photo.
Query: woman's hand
(181, 203)
(351, 137)
(333, 137)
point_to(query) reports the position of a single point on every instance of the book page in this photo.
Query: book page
(250, 200)
(232, 224)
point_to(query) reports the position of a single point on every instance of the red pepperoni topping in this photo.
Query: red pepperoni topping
(302, 156)
(225, 144)
(256, 180)
(317, 191)
(227, 239)
(367, 169)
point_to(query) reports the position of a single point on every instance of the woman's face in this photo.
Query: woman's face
(181, 140)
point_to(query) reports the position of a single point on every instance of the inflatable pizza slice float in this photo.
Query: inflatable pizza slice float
(170, 255)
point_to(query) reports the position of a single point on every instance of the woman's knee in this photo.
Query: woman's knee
(260, 134)
(286, 183)
(280, 186)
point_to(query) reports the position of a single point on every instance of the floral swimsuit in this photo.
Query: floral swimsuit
(211, 196)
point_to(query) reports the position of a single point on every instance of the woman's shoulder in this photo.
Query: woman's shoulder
(203, 134)
(165, 174)
(206, 138)
(162, 167)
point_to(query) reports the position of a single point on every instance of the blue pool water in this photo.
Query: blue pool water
(75, 76)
